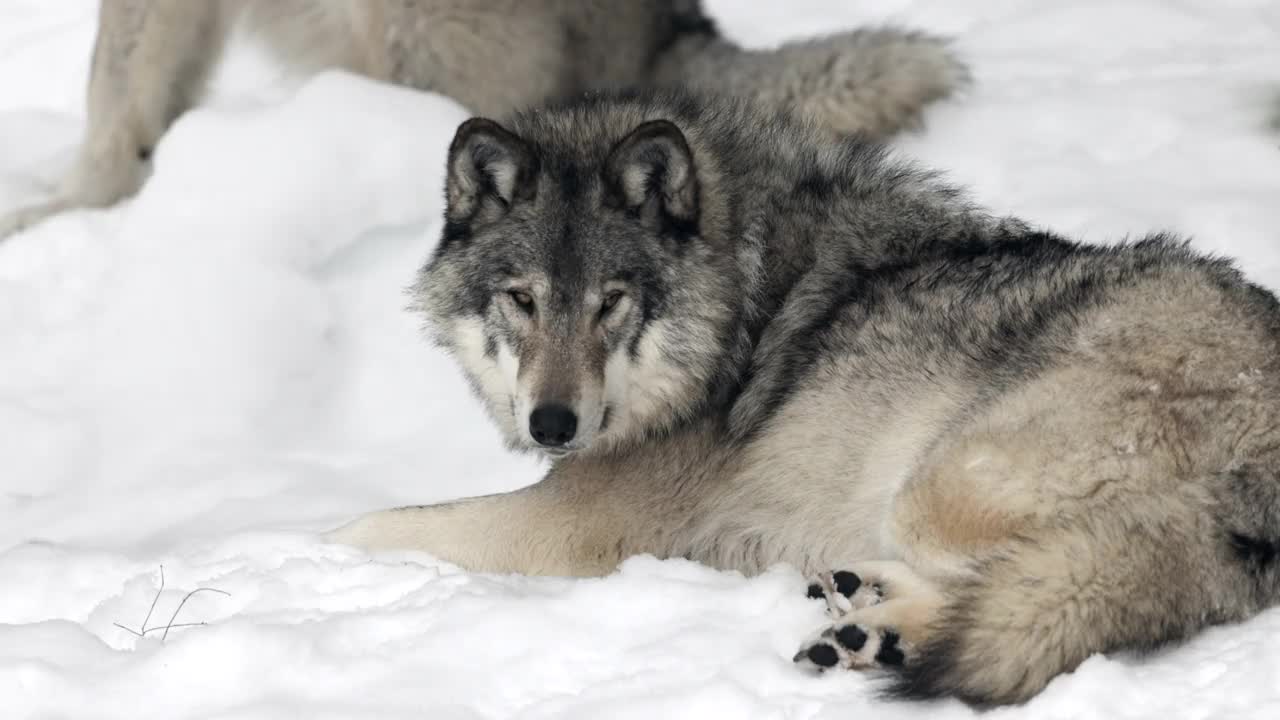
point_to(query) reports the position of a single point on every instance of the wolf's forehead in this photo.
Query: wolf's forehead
(571, 265)
(572, 270)
(569, 177)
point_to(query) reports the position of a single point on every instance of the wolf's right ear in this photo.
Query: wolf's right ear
(651, 171)
(490, 168)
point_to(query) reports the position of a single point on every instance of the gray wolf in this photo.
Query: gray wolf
(744, 341)
(152, 59)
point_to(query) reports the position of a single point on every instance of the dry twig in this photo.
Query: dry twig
(142, 632)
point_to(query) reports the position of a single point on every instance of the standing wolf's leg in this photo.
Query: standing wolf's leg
(150, 64)
(151, 60)
(546, 529)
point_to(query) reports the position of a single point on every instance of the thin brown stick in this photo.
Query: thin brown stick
(154, 600)
(172, 618)
(158, 627)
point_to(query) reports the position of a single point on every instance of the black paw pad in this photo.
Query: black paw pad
(847, 583)
(852, 637)
(889, 652)
(815, 591)
(823, 656)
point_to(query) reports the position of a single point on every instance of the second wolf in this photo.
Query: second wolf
(153, 58)
(747, 342)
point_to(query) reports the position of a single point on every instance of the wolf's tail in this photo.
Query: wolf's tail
(874, 81)
(1133, 581)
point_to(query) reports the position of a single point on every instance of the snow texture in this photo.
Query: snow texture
(206, 376)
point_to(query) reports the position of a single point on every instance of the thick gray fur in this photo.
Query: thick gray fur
(783, 346)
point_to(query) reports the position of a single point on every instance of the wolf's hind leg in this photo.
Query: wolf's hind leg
(882, 613)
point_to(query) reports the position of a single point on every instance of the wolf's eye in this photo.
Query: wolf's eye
(523, 300)
(610, 302)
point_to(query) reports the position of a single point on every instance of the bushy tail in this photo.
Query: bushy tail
(873, 81)
(1043, 606)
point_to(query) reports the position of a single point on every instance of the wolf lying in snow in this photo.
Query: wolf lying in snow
(153, 57)
(744, 341)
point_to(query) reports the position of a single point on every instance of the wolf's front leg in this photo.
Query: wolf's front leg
(585, 517)
(151, 62)
(546, 529)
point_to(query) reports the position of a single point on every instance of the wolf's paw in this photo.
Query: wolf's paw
(15, 221)
(844, 591)
(20, 219)
(854, 646)
(882, 611)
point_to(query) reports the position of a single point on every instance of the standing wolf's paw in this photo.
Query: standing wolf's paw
(882, 611)
(19, 219)
(25, 217)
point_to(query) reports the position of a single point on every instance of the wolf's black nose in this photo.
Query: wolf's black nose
(552, 425)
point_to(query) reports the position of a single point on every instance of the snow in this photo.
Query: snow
(205, 377)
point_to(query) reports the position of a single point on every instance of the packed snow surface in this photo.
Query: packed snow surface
(206, 376)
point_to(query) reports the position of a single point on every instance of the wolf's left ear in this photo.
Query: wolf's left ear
(652, 171)
(489, 169)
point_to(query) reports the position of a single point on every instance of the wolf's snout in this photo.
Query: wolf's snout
(552, 425)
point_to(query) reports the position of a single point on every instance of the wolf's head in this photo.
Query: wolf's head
(575, 280)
